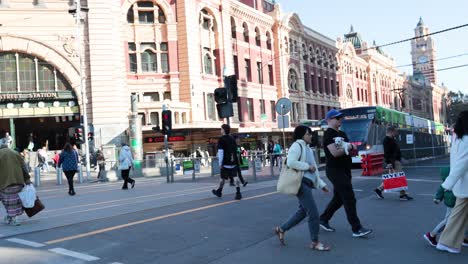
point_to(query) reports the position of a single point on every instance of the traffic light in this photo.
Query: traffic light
(166, 122)
(221, 95)
(230, 82)
(78, 135)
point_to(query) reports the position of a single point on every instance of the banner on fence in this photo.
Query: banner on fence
(187, 166)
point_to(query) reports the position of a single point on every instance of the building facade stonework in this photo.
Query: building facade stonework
(175, 54)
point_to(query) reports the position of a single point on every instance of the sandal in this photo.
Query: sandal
(280, 234)
(319, 246)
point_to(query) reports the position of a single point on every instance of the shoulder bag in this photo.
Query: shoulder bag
(290, 179)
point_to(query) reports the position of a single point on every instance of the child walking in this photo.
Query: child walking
(449, 200)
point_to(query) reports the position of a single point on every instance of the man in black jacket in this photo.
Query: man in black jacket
(392, 158)
(228, 161)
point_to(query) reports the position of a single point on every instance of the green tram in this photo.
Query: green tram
(366, 127)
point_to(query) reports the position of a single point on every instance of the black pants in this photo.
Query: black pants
(343, 195)
(70, 175)
(102, 168)
(126, 178)
(239, 175)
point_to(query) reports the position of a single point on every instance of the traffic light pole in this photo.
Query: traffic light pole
(166, 157)
(82, 87)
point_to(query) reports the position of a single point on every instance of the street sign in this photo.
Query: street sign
(263, 117)
(283, 121)
(283, 106)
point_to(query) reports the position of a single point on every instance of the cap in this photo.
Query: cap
(333, 113)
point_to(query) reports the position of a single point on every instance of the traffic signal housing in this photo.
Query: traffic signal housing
(78, 135)
(166, 122)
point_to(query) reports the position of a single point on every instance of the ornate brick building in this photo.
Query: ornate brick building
(368, 75)
(172, 53)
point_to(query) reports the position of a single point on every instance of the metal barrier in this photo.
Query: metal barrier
(372, 164)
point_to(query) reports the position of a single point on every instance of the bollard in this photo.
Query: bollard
(37, 176)
(80, 174)
(272, 169)
(193, 171)
(254, 170)
(59, 176)
(172, 170)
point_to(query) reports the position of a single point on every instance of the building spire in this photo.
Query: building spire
(351, 30)
(421, 22)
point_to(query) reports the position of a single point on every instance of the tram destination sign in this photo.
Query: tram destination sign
(27, 96)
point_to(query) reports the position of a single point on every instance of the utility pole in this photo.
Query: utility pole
(84, 99)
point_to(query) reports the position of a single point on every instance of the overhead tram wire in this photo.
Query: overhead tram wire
(413, 38)
(453, 67)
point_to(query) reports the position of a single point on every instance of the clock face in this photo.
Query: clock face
(422, 59)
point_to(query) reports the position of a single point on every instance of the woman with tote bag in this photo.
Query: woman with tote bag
(301, 158)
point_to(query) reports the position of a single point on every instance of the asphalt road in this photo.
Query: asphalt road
(222, 230)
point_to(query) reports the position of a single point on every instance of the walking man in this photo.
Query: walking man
(338, 171)
(228, 161)
(392, 158)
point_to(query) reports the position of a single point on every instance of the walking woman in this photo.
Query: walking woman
(13, 176)
(125, 164)
(301, 157)
(452, 237)
(69, 162)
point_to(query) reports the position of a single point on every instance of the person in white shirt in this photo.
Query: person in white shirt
(452, 237)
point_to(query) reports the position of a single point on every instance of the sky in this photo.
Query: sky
(388, 21)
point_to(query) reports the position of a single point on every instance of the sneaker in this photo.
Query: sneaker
(238, 196)
(216, 193)
(362, 232)
(443, 247)
(14, 221)
(379, 193)
(325, 226)
(405, 197)
(245, 183)
(7, 219)
(431, 239)
(465, 242)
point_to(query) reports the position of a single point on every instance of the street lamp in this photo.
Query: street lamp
(82, 84)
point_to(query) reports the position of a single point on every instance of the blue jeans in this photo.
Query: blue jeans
(307, 207)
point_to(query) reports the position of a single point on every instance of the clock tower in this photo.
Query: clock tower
(423, 53)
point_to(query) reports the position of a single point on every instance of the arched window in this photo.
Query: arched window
(34, 74)
(349, 92)
(257, 37)
(208, 64)
(292, 79)
(146, 11)
(233, 28)
(246, 32)
(148, 61)
(209, 43)
(268, 40)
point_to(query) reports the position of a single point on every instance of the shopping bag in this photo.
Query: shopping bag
(38, 206)
(28, 196)
(395, 181)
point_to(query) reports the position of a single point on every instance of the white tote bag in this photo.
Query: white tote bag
(290, 179)
(28, 196)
